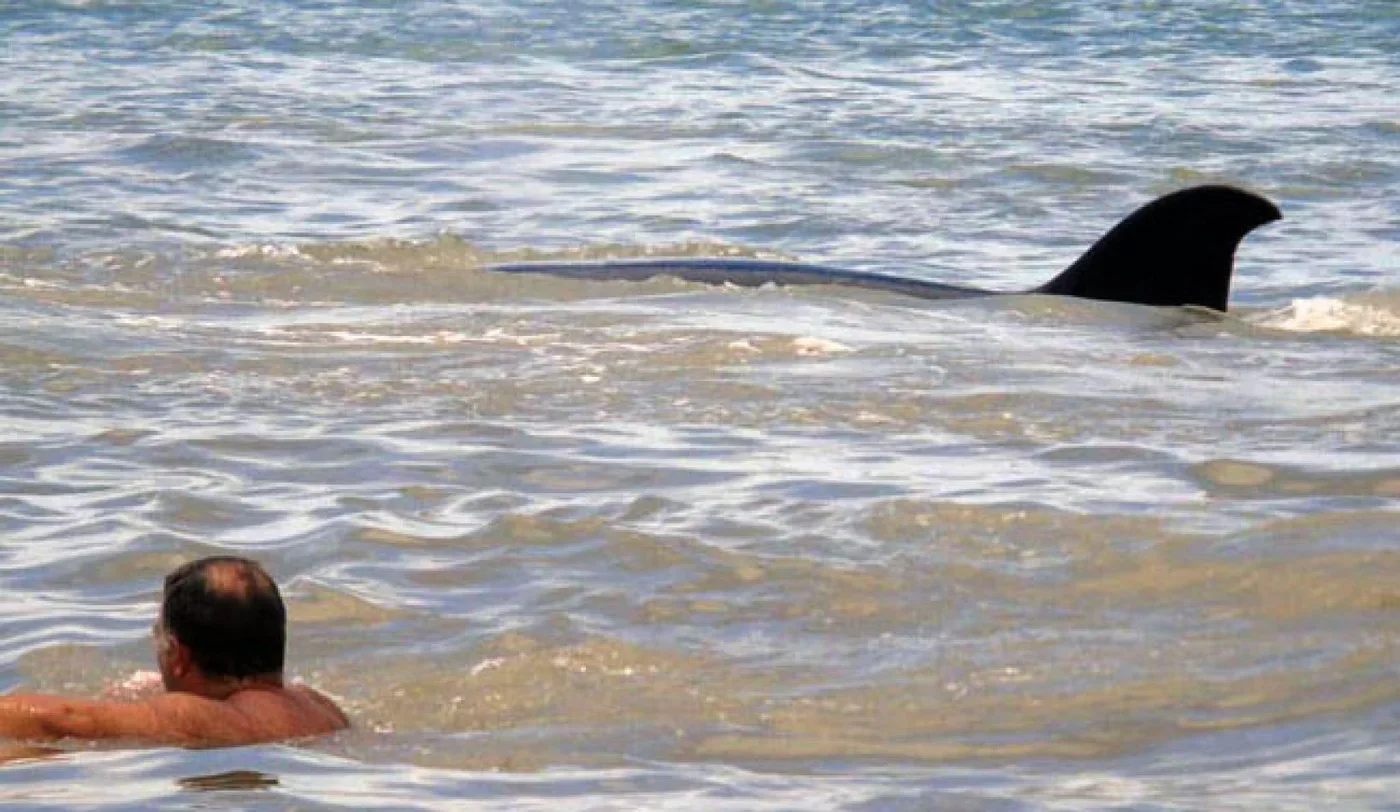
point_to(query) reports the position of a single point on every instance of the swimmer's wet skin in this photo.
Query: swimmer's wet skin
(220, 643)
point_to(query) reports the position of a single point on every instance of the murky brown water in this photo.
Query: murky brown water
(528, 524)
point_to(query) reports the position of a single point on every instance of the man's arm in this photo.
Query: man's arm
(45, 717)
(174, 718)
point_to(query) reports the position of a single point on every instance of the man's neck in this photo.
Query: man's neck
(224, 687)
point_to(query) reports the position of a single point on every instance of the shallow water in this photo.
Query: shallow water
(616, 545)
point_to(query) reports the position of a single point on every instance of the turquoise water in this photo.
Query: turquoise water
(611, 545)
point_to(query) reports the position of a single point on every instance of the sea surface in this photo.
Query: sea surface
(602, 545)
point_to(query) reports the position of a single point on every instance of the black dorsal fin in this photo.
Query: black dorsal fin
(1176, 250)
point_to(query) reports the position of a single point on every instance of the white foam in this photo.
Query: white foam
(441, 337)
(809, 345)
(1322, 314)
(267, 251)
(151, 322)
(486, 665)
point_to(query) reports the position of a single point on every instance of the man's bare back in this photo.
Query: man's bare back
(248, 716)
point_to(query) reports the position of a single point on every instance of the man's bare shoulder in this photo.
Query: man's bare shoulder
(296, 710)
(325, 703)
(251, 715)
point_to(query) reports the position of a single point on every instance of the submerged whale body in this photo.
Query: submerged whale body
(1177, 250)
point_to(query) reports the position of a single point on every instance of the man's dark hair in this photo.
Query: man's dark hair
(228, 612)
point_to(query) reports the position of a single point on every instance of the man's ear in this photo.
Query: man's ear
(181, 660)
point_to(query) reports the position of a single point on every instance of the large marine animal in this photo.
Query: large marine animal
(1177, 250)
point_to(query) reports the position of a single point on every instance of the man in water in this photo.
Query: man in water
(220, 641)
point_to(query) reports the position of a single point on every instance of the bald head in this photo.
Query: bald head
(228, 612)
(236, 578)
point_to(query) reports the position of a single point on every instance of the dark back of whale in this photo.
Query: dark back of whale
(1176, 250)
(748, 273)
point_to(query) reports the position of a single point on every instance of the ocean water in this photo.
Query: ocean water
(604, 545)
